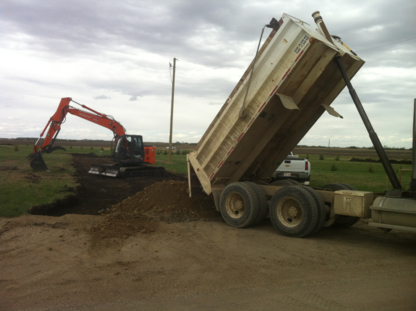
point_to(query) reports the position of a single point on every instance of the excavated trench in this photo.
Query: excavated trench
(97, 193)
(132, 205)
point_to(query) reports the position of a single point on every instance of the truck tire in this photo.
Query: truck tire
(239, 205)
(293, 212)
(263, 205)
(347, 186)
(322, 210)
(343, 221)
(282, 183)
(339, 186)
(293, 182)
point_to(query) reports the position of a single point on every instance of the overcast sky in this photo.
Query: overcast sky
(113, 56)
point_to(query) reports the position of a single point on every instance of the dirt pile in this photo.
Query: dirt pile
(166, 201)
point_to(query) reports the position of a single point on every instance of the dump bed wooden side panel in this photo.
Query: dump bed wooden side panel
(293, 78)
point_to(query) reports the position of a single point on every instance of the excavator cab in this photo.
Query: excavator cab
(129, 150)
(131, 156)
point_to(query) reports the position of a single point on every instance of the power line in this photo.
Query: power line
(381, 46)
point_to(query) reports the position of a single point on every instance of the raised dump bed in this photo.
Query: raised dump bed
(295, 79)
(298, 73)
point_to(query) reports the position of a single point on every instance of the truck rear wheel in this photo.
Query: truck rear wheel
(293, 182)
(263, 205)
(293, 212)
(282, 182)
(322, 210)
(342, 221)
(345, 186)
(239, 205)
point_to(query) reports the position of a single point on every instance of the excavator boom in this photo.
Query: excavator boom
(54, 123)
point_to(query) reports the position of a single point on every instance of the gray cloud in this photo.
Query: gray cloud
(101, 97)
(122, 49)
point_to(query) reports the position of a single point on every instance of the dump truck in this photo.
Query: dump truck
(293, 79)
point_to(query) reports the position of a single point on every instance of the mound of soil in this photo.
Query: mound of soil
(166, 201)
(132, 205)
(96, 193)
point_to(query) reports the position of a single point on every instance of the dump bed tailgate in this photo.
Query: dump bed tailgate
(294, 80)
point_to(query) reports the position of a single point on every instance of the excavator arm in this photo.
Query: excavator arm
(53, 127)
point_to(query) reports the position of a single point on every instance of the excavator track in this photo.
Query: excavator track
(126, 171)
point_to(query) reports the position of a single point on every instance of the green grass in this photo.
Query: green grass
(363, 176)
(333, 169)
(177, 165)
(21, 188)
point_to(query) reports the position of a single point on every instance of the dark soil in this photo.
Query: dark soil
(131, 205)
(97, 193)
(166, 201)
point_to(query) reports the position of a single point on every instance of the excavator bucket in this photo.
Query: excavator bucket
(36, 162)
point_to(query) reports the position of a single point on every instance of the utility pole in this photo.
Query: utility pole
(171, 110)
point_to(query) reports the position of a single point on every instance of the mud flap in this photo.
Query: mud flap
(36, 162)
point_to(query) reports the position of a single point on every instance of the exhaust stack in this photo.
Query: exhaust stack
(321, 26)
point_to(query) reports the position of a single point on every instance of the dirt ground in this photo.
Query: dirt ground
(143, 244)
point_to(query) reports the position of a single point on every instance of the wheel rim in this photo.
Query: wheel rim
(235, 205)
(289, 212)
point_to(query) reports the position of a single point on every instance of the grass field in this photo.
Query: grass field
(22, 188)
(177, 164)
(363, 176)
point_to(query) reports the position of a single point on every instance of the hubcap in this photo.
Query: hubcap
(235, 205)
(289, 212)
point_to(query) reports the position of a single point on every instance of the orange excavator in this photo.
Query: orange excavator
(130, 154)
